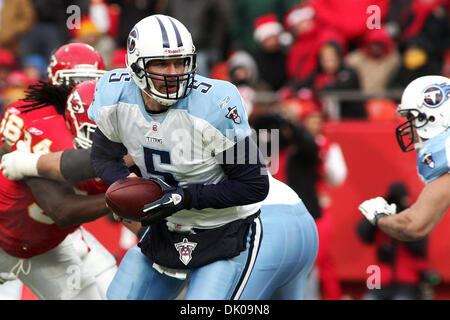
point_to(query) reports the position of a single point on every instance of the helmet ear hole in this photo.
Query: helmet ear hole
(431, 119)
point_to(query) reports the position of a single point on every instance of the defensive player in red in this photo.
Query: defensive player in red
(41, 240)
(82, 129)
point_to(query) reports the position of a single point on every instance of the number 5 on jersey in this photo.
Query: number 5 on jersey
(150, 156)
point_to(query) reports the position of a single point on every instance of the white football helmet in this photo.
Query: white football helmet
(161, 37)
(426, 104)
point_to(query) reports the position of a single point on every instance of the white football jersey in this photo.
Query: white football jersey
(280, 193)
(179, 145)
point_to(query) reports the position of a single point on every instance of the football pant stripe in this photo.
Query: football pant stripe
(255, 243)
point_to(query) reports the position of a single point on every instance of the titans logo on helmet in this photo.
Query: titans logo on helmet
(131, 42)
(435, 95)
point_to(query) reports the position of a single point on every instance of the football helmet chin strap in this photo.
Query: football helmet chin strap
(148, 94)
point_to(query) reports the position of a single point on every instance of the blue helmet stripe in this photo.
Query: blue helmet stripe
(165, 38)
(177, 33)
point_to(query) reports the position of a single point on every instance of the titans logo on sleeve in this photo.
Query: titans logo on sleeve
(428, 159)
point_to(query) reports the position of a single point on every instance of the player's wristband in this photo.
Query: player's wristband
(75, 165)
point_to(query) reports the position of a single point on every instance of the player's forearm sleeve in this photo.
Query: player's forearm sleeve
(246, 183)
(107, 158)
(75, 165)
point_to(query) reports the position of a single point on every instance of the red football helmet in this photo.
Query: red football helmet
(78, 102)
(76, 61)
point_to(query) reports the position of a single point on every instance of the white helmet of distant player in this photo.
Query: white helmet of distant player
(161, 37)
(426, 104)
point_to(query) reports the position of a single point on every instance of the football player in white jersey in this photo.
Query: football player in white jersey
(425, 103)
(191, 135)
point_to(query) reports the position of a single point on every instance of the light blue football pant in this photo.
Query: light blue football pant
(285, 257)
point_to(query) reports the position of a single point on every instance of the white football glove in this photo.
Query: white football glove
(7, 276)
(376, 208)
(18, 164)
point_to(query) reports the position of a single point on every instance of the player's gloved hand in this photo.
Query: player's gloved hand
(376, 208)
(18, 164)
(173, 200)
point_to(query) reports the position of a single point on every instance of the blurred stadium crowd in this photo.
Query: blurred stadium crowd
(280, 53)
(296, 64)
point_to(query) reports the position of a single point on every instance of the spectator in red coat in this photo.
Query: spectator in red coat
(309, 34)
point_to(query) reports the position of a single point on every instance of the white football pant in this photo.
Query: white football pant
(79, 268)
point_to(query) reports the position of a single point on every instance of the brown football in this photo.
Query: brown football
(127, 196)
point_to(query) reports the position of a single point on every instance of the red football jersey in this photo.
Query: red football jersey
(25, 229)
(14, 121)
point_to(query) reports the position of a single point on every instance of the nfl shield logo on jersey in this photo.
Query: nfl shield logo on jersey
(185, 249)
